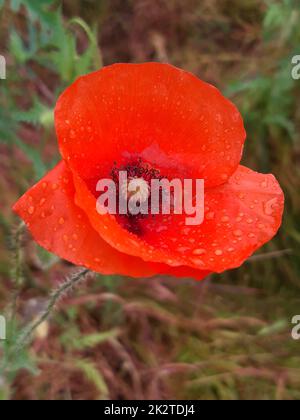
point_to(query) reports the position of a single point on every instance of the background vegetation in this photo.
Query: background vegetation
(225, 338)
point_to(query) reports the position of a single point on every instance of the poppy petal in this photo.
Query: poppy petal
(165, 115)
(240, 217)
(117, 236)
(61, 227)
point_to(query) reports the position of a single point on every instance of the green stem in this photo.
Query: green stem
(55, 298)
(17, 269)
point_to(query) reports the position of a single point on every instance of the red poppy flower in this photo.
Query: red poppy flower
(157, 120)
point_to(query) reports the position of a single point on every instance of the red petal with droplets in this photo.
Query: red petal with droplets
(118, 237)
(164, 115)
(241, 216)
(61, 227)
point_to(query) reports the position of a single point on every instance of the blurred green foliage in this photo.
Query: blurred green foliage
(52, 45)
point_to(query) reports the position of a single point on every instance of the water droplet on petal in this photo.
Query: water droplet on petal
(197, 261)
(183, 249)
(61, 221)
(219, 252)
(264, 184)
(238, 232)
(210, 215)
(31, 210)
(269, 206)
(186, 231)
(199, 251)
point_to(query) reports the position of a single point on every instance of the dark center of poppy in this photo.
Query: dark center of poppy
(138, 185)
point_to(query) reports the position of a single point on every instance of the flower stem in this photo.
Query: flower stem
(16, 274)
(56, 296)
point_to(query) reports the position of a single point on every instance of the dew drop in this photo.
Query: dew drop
(225, 219)
(199, 251)
(219, 252)
(264, 184)
(186, 231)
(238, 233)
(268, 206)
(210, 215)
(197, 261)
(43, 201)
(31, 210)
(183, 249)
(61, 221)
